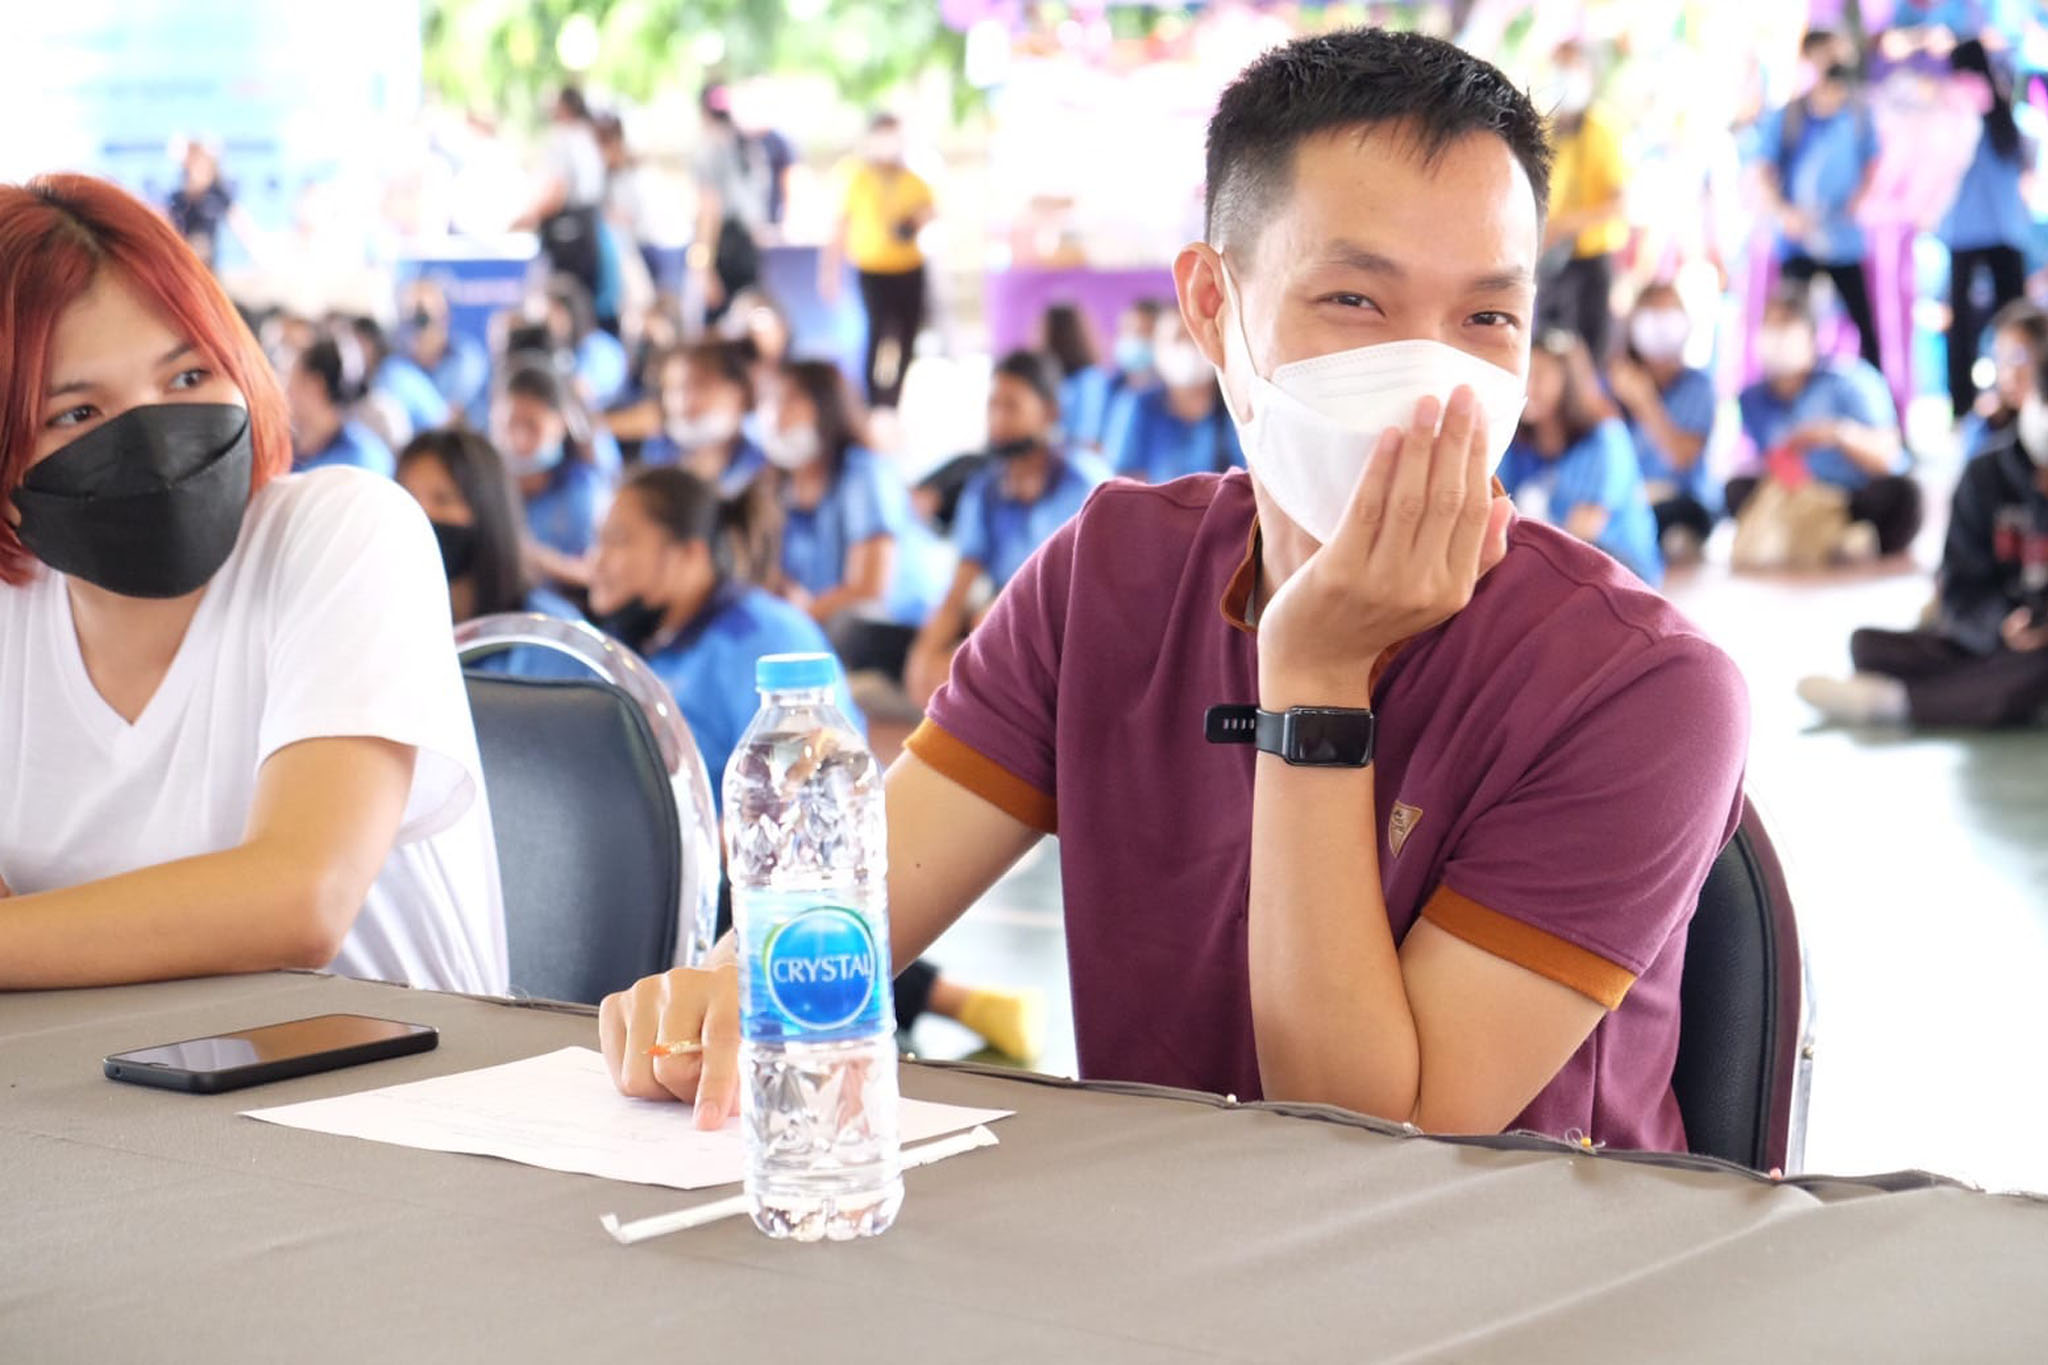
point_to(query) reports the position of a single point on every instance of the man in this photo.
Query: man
(1587, 222)
(1984, 663)
(1474, 919)
(885, 205)
(1834, 422)
(1820, 155)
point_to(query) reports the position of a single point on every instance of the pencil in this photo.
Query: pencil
(675, 1049)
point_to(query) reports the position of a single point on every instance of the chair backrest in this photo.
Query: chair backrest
(590, 848)
(1742, 1049)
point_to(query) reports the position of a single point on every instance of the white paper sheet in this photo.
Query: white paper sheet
(561, 1111)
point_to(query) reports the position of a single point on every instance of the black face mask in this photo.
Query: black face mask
(634, 624)
(1842, 73)
(149, 505)
(458, 548)
(1015, 450)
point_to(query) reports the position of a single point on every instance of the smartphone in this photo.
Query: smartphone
(277, 1052)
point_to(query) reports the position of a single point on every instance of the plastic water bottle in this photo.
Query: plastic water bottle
(807, 852)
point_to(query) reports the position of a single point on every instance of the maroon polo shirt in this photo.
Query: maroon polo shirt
(1558, 766)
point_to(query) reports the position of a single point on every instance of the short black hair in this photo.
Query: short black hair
(1039, 373)
(1355, 78)
(1794, 298)
(571, 101)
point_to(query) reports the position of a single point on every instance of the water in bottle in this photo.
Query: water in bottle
(807, 853)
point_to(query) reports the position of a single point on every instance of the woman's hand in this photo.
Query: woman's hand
(646, 1030)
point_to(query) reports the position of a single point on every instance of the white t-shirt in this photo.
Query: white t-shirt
(574, 158)
(330, 619)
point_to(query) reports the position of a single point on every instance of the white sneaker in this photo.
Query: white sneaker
(1861, 699)
(1859, 543)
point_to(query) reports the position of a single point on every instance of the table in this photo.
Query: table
(1140, 1226)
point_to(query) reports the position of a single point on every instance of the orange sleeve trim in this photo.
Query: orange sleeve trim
(952, 759)
(1524, 945)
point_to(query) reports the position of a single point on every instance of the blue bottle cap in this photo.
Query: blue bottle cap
(796, 672)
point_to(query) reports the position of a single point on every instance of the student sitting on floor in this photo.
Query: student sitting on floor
(1006, 511)
(1985, 660)
(460, 481)
(706, 392)
(326, 382)
(1181, 427)
(1670, 408)
(2019, 341)
(1465, 910)
(662, 584)
(238, 740)
(1574, 456)
(553, 451)
(1835, 461)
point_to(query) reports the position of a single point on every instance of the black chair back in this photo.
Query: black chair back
(1739, 1069)
(589, 841)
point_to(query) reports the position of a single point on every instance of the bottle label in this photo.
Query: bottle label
(822, 968)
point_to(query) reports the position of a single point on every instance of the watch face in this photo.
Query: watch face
(1329, 739)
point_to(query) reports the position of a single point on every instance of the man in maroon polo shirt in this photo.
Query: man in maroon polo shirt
(1450, 882)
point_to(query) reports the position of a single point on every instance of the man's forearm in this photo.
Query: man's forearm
(1871, 449)
(1330, 1013)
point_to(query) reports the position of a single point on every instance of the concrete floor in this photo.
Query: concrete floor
(1918, 862)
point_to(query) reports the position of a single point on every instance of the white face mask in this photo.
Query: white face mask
(1180, 365)
(791, 449)
(1313, 425)
(694, 433)
(1660, 334)
(2033, 430)
(1783, 352)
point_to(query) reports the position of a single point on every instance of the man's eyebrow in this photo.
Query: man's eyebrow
(1355, 256)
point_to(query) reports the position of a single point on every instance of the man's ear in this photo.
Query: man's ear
(1198, 286)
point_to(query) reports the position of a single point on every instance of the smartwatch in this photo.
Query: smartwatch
(1303, 736)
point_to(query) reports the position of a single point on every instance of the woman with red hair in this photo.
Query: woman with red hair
(236, 734)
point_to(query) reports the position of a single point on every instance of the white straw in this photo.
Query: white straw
(626, 1234)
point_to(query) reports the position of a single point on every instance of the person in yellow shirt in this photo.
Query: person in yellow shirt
(886, 205)
(1587, 225)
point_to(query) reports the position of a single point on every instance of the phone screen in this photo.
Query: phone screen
(272, 1043)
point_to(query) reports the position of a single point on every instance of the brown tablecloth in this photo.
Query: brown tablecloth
(140, 1225)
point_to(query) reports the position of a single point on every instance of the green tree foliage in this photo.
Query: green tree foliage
(502, 54)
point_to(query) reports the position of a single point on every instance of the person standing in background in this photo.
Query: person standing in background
(1670, 408)
(565, 209)
(733, 193)
(886, 205)
(1819, 156)
(1586, 225)
(203, 203)
(1988, 225)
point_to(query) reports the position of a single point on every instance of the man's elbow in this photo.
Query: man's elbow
(321, 909)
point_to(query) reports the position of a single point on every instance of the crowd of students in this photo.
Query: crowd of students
(234, 666)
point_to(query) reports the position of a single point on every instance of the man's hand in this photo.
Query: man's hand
(1818, 434)
(1422, 527)
(2021, 635)
(1797, 223)
(687, 1006)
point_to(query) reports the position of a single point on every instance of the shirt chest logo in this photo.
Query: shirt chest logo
(1400, 824)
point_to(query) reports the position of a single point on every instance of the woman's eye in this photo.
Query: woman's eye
(72, 417)
(190, 379)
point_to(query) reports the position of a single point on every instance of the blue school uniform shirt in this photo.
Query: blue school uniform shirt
(709, 668)
(462, 376)
(602, 363)
(528, 661)
(999, 533)
(414, 391)
(1989, 209)
(1690, 402)
(1822, 172)
(354, 445)
(564, 515)
(1845, 388)
(1145, 440)
(1599, 469)
(866, 500)
(741, 470)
